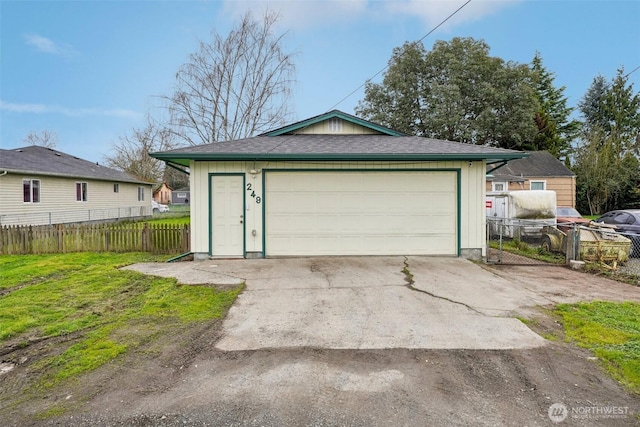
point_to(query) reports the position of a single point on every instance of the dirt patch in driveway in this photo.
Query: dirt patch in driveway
(203, 386)
(180, 378)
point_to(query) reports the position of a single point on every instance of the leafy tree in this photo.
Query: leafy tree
(457, 92)
(555, 128)
(615, 109)
(233, 87)
(131, 152)
(44, 138)
(606, 158)
(402, 90)
(607, 178)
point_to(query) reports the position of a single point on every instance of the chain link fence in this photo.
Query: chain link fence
(512, 241)
(509, 241)
(132, 213)
(76, 216)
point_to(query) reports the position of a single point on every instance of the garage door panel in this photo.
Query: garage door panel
(360, 213)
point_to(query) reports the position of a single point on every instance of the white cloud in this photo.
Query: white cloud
(433, 12)
(301, 14)
(70, 112)
(315, 13)
(46, 45)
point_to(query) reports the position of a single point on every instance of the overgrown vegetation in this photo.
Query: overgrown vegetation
(86, 297)
(612, 331)
(180, 220)
(519, 247)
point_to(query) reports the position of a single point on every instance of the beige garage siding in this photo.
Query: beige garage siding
(361, 213)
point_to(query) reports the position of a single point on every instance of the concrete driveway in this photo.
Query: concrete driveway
(364, 303)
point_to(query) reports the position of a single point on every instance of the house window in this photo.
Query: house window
(335, 125)
(498, 186)
(116, 188)
(81, 191)
(141, 194)
(538, 185)
(31, 190)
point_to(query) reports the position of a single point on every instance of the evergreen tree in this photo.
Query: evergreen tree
(555, 128)
(606, 159)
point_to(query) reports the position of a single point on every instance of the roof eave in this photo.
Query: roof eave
(185, 158)
(62, 175)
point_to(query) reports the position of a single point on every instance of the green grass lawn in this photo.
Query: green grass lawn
(612, 331)
(86, 296)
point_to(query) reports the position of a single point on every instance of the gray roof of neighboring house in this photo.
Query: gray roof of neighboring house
(38, 160)
(336, 147)
(538, 164)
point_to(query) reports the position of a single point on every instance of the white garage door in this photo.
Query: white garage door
(361, 213)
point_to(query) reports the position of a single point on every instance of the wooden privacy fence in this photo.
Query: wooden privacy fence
(61, 238)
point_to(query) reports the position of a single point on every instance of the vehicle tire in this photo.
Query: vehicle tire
(155, 210)
(545, 244)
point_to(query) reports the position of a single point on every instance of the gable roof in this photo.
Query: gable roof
(289, 129)
(286, 144)
(336, 148)
(538, 164)
(38, 160)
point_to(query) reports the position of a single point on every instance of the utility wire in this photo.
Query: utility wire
(383, 69)
(632, 71)
(402, 53)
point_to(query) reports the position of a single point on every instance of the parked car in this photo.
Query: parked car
(627, 223)
(158, 207)
(566, 214)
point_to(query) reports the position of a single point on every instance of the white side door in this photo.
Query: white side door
(227, 216)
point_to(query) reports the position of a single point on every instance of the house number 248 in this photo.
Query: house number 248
(253, 193)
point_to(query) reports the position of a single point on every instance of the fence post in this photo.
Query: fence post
(186, 238)
(145, 237)
(573, 245)
(60, 238)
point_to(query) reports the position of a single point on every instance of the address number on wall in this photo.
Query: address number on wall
(253, 193)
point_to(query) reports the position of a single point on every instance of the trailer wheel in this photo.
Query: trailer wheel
(545, 244)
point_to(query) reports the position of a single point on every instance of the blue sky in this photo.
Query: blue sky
(91, 70)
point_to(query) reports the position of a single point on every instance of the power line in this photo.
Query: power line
(632, 71)
(382, 70)
(387, 66)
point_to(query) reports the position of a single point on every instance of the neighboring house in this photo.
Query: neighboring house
(43, 186)
(162, 194)
(181, 196)
(335, 184)
(540, 171)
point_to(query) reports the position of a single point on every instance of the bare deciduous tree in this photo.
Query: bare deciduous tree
(234, 87)
(44, 138)
(131, 152)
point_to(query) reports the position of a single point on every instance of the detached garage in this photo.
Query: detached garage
(334, 185)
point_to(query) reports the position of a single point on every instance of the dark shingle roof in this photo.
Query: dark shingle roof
(335, 148)
(47, 161)
(539, 163)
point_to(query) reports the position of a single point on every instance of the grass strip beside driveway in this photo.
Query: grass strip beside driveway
(105, 311)
(612, 331)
